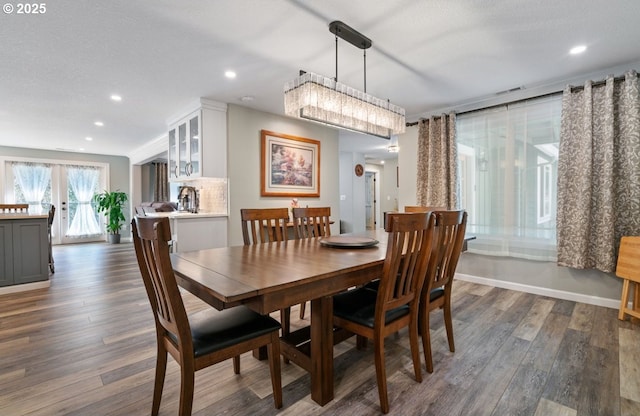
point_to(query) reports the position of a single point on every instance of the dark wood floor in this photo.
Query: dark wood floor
(86, 346)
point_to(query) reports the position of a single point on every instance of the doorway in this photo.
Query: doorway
(370, 200)
(69, 186)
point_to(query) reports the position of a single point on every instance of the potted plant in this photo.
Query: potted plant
(111, 204)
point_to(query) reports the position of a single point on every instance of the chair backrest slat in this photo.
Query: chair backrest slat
(406, 261)
(311, 222)
(264, 225)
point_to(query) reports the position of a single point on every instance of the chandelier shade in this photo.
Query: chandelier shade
(319, 98)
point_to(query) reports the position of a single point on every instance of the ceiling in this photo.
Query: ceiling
(58, 69)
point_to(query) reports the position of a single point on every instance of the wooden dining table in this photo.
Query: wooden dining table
(271, 276)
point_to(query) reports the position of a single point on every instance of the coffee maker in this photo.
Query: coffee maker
(188, 199)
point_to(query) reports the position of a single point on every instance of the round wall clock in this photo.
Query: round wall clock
(359, 170)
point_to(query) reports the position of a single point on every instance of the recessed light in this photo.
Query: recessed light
(382, 162)
(88, 139)
(230, 74)
(116, 97)
(99, 123)
(247, 98)
(576, 50)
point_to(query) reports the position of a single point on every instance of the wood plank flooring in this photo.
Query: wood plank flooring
(86, 346)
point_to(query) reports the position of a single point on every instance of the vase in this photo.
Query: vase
(114, 238)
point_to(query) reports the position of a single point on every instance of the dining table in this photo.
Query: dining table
(271, 276)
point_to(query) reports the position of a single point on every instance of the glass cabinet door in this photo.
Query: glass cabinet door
(193, 168)
(173, 155)
(182, 149)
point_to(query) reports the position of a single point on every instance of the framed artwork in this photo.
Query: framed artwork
(289, 166)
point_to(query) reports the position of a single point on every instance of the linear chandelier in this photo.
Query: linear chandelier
(318, 98)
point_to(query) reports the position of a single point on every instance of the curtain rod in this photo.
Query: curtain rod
(573, 88)
(601, 82)
(549, 94)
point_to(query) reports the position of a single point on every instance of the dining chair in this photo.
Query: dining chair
(418, 208)
(204, 338)
(448, 240)
(9, 208)
(267, 225)
(264, 225)
(377, 314)
(628, 268)
(52, 212)
(311, 223)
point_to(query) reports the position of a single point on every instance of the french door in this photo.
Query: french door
(69, 187)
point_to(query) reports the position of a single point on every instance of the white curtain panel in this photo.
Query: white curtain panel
(33, 180)
(83, 182)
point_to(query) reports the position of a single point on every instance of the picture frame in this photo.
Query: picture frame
(289, 165)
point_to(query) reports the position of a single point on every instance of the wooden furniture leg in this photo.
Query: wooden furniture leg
(322, 350)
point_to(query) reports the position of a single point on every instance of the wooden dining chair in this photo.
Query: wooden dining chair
(448, 235)
(201, 339)
(418, 208)
(267, 225)
(377, 314)
(264, 225)
(311, 223)
(628, 268)
(14, 208)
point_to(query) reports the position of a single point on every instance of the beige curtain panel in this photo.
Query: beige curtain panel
(161, 185)
(598, 172)
(437, 181)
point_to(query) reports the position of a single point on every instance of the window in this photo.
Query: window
(508, 160)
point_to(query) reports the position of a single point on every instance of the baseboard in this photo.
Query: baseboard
(543, 291)
(24, 287)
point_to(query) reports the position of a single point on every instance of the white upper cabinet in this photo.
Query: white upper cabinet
(198, 143)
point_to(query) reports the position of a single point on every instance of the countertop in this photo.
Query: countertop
(21, 216)
(186, 215)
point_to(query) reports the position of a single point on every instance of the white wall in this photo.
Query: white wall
(244, 126)
(407, 167)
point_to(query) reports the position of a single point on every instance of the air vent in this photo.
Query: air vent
(510, 91)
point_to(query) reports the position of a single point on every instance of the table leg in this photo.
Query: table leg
(322, 350)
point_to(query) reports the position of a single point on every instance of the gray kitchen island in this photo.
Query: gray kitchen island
(24, 249)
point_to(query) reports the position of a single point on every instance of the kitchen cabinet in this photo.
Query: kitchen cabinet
(198, 143)
(24, 249)
(194, 232)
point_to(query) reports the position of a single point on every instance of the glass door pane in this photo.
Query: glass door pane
(79, 220)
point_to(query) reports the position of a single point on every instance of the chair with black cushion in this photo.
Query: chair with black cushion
(311, 223)
(448, 240)
(419, 208)
(52, 212)
(14, 208)
(377, 314)
(266, 225)
(202, 339)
